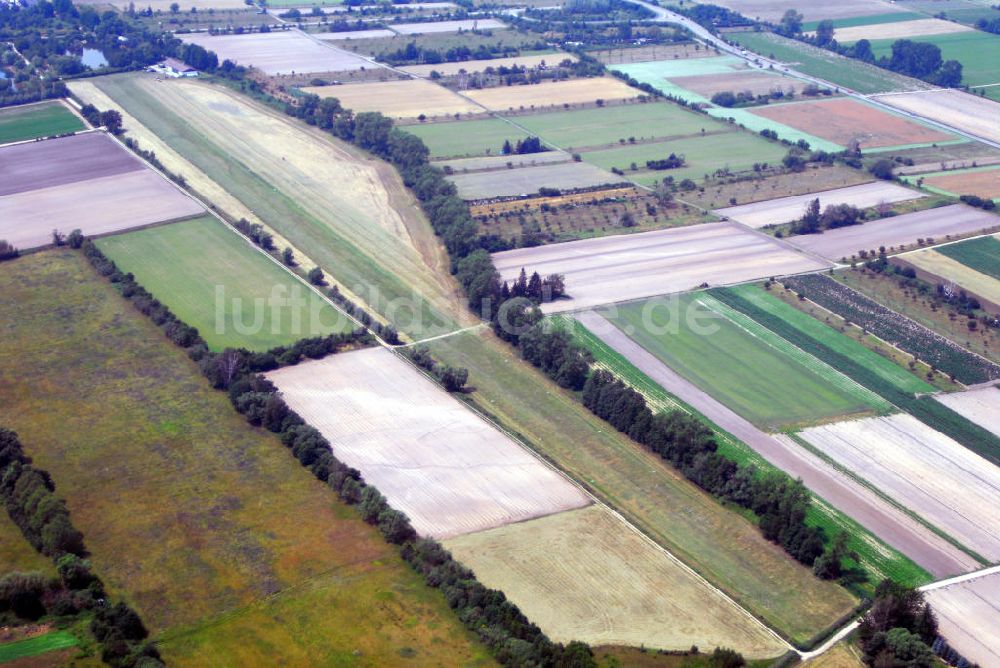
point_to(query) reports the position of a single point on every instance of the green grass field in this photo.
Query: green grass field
(459, 139)
(826, 65)
(982, 254)
(878, 559)
(752, 372)
(722, 545)
(594, 127)
(36, 120)
(49, 642)
(218, 537)
(875, 19)
(214, 280)
(979, 53)
(704, 155)
(16, 553)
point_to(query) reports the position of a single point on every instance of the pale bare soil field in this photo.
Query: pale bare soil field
(353, 34)
(447, 469)
(401, 99)
(787, 209)
(969, 113)
(528, 180)
(843, 120)
(553, 93)
(614, 269)
(902, 532)
(55, 162)
(447, 26)
(946, 270)
(586, 575)
(279, 52)
(652, 52)
(501, 162)
(923, 470)
(531, 62)
(813, 10)
(899, 30)
(164, 5)
(96, 207)
(757, 83)
(981, 405)
(969, 617)
(985, 184)
(904, 230)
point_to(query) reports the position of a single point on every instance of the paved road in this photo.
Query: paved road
(892, 525)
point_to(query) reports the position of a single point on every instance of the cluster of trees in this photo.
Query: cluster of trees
(29, 496)
(7, 250)
(989, 25)
(899, 628)
(452, 378)
(523, 146)
(728, 98)
(536, 289)
(256, 233)
(110, 119)
(971, 200)
(713, 17)
(672, 161)
(551, 349)
(832, 217)
(412, 53)
(592, 10)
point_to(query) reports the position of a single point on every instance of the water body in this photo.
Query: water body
(93, 58)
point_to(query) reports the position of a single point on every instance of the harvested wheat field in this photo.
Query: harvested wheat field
(586, 575)
(553, 93)
(946, 270)
(528, 180)
(947, 484)
(787, 209)
(280, 52)
(983, 183)
(756, 83)
(969, 113)
(898, 231)
(969, 617)
(85, 181)
(651, 52)
(845, 120)
(614, 269)
(530, 62)
(447, 26)
(401, 99)
(898, 30)
(982, 406)
(450, 471)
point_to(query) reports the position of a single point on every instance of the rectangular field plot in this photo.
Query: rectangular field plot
(978, 51)
(502, 162)
(969, 618)
(585, 575)
(983, 182)
(982, 406)
(844, 120)
(447, 26)
(281, 52)
(84, 181)
(937, 224)
(446, 468)
(982, 254)
(398, 99)
(969, 113)
(939, 268)
(948, 485)
(459, 139)
(531, 62)
(527, 180)
(898, 30)
(36, 120)
(757, 83)
(553, 93)
(353, 34)
(660, 74)
(787, 209)
(769, 10)
(614, 269)
(217, 282)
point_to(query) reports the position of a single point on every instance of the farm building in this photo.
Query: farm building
(172, 67)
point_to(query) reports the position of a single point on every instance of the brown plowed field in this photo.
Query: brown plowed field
(56, 162)
(844, 120)
(985, 184)
(970, 113)
(757, 83)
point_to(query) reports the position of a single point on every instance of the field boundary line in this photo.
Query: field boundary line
(85, 131)
(440, 336)
(959, 579)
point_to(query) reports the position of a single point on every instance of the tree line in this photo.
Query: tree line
(28, 494)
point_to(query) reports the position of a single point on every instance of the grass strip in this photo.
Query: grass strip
(49, 642)
(981, 254)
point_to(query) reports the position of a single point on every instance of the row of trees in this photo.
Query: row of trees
(523, 146)
(452, 378)
(813, 221)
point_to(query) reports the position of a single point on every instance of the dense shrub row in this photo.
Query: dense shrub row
(452, 378)
(29, 496)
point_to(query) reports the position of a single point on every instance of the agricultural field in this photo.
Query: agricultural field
(85, 181)
(922, 470)
(969, 113)
(718, 543)
(608, 127)
(451, 472)
(897, 30)
(185, 508)
(899, 232)
(37, 120)
(552, 94)
(983, 182)
(585, 575)
(353, 34)
(787, 209)
(727, 152)
(844, 120)
(164, 5)
(963, 11)
(895, 328)
(721, 192)
(660, 73)
(447, 26)
(16, 553)
(470, 66)
(756, 83)
(651, 52)
(367, 235)
(636, 266)
(403, 99)
(528, 180)
(746, 367)
(969, 616)
(380, 48)
(769, 10)
(829, 486)
(937, 268)
(459, 139)
(35, 646)
(982, 406)
(982, 254)
(280, 52)
(219, 283)
(501, 162)
(979, 53)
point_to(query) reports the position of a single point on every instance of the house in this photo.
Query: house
(172, 67)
